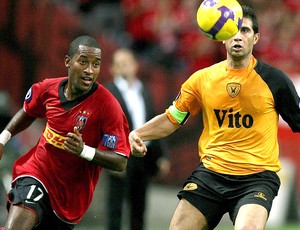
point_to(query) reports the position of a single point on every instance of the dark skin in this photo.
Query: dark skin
(83, 70)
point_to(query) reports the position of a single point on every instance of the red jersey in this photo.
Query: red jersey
(70, 180)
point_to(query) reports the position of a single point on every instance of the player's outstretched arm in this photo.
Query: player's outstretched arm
(158, 127)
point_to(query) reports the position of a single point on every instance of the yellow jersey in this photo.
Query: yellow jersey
(240, 109)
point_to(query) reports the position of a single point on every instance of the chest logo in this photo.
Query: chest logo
(233, 89)
(81, 119)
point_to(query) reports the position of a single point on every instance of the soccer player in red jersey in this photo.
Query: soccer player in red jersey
(241, 99)
(86, 130)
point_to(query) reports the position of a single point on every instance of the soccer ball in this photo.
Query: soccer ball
(220, 19)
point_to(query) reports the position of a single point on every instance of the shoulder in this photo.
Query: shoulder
(205, 74)
(269, 73)
(106, 96)
(274, 78)
(49, 83)
(105, 90)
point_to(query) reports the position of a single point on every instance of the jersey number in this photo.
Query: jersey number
(35, 194)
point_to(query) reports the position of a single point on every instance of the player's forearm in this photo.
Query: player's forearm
(158, 127)
(19, 122)
(110, 160)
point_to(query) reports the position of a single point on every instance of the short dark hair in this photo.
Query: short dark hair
(249, 12)
(82, 40)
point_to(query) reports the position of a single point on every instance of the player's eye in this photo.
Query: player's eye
(96, 64)
(245, 29)
(82, 62)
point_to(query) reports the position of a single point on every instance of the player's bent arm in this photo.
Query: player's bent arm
(106, 159)
(156, 128)
(75, 145)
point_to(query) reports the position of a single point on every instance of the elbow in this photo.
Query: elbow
(122, 164)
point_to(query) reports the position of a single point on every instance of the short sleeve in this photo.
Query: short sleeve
(33, 104)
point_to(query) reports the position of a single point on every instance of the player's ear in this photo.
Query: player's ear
(256, 38)
(67, 61)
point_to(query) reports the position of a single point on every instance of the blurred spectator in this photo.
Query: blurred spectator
(131, 185)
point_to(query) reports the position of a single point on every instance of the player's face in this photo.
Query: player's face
(83, 69)
(241, 45)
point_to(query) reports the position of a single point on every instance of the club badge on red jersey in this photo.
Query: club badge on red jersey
(81, 119)
(80, 122)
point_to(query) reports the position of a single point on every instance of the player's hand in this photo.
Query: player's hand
(74, 143)
(1, 151)
(137, 146)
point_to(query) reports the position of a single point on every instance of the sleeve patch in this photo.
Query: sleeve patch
(110, 141)
(28, 96)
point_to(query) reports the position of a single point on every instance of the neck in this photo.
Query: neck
(238, 63)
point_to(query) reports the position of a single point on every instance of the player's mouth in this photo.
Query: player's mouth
(87, 80)
(237, 47)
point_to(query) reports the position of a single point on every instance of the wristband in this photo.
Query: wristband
(4, 137)
(88, 153)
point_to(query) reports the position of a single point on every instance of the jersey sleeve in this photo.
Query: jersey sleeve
(187, 102)
(286, 98)
(33, 104)
(287, 103)
(115, 129)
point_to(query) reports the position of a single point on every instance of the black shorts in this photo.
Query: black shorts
(32, 194)
(215, 194)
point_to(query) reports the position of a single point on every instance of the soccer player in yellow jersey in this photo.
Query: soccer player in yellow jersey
(241, 99)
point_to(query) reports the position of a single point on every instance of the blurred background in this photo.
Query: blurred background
(34, 39)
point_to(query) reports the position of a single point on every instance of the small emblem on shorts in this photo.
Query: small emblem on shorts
(190, 186)
(261, 195)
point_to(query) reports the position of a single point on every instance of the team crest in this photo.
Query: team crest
(80, 122)
(233, 89)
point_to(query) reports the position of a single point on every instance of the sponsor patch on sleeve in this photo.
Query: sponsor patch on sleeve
(110, 141)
